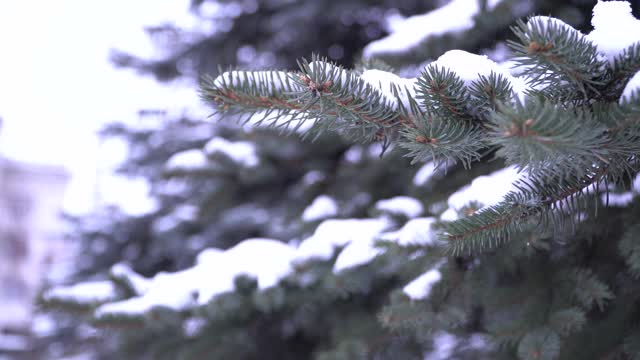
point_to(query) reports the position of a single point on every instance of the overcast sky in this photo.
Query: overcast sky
(57, 86)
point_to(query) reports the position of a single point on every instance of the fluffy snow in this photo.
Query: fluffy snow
(139, 283)
(449, 215)
(334, 233)
(192, 327)
(209, 255)
(470, 66)
(406, 34)
(400, 205)
(240, 152)
(313, 177)
(429, 171)
(357, 253)
(544, 21)
(354, 154)
(625, 198)
(331, 71)
(321, 208)
(487, 190)
(384, 81)
(173, 290)
(266, 260)
(424, 174)
(277, 80)
(420, 287)
(299, 122)
(633, 87)
(415, 232)
(620, 200)
(87, 293)
(443, 345)
(636, 184)
(187, 160)
(615, 28)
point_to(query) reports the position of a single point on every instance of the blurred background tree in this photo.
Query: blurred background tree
(210, 199)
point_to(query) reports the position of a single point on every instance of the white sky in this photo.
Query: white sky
(57, 86)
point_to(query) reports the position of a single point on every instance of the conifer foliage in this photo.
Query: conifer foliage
(531, 255)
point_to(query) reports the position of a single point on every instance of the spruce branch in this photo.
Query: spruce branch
(332, 97)
(587, 290)
(539, 135)
(627, 63)
(542, 201)
(568, 321)
(443, 141)
(443, 93)
(558, 57)
(489, 92)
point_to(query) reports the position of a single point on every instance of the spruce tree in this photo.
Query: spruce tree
(478, 210)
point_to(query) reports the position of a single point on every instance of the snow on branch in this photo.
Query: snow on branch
(420, 287)
(406, 34)
(335, 233)
(400, 205)
(418, 231)
(632, 88)
(240, 152)
(85, 294)
(615, 28)
(266, 260)
(188, 160)
(322, 207)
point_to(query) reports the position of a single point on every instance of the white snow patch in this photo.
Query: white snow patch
(139, 283)
(469, 67)
(443, 345)
(632, 87)
(449, 215)
(87, 293)
(544, 21)
(620, 200)
(456, 16)
(266, 260)
(354, 154)
(240, 152)
(615, 28)
(420, 287)
(321, 208)
(277, 80)
(332, 72)
(209, 255)
(193, 159)
(384, 81)
(636, 183)
(400, 205)
(299, 122)
(487, 190)
(424, 174)
(416, 231)
(334, 233)
(356, 253)
(313, 177)
(192, 327)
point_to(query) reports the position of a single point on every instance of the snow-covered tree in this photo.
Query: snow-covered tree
(480, 209)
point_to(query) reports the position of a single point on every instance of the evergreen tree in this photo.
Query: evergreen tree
(510, 236)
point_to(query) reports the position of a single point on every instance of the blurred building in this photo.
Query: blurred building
(30, 238)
